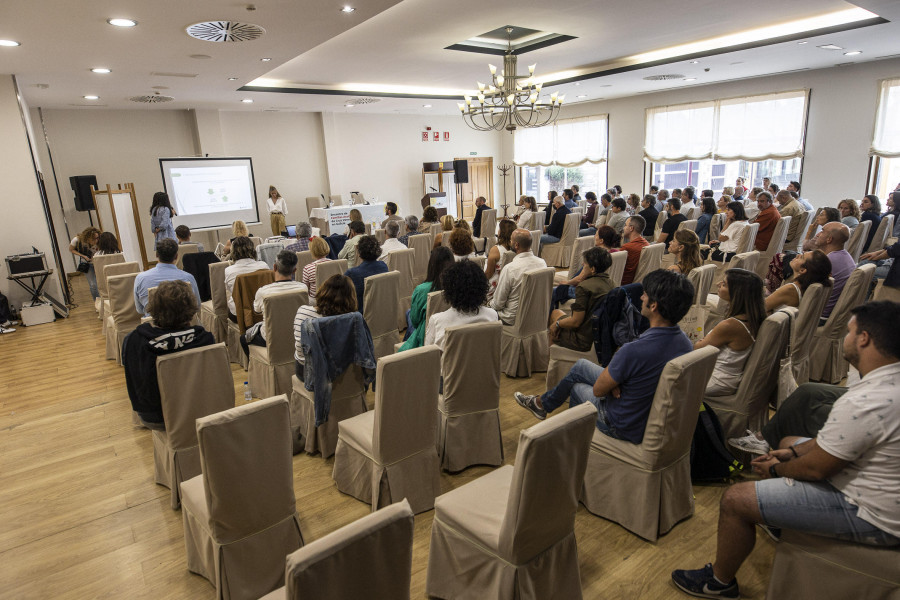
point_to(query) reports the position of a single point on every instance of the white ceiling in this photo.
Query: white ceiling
(391, 43)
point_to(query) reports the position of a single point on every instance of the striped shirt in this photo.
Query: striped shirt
(308, 277)
(303, 313)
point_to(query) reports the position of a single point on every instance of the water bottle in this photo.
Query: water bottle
(248, 397)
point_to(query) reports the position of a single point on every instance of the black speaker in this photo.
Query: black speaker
(461, 171)
(81, 185)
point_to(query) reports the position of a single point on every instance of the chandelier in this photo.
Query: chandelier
(511, 100)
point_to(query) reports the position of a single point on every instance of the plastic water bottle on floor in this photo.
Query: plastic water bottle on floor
(248, 397)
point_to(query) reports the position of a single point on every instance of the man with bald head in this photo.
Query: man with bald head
(831, 240)
(509, 286)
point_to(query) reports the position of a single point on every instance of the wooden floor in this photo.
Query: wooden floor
(80, 515)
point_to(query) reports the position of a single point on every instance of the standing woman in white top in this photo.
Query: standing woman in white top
(277, 210)
(727, 245)
(735, 336)
(523, 220)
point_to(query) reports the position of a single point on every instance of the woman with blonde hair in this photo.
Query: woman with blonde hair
(850, 214)
(355, 215)
(238, 229)
(634, 204)
(529, 208)
(277, 210)
(686, 248)
(319, 249)
(447, 224)
(84, 246)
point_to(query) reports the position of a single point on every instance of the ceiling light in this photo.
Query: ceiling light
(426, 106)
(830, 47)
(232, 79)
(122, 22)
(853, 53)
(801, 43)
(100, 70)
(582, 96)
(265, 59)
(9, 43)
(349, 105)
(347, 9)
(247, 100)
(695, 62)
(690, 79)
(91, 97)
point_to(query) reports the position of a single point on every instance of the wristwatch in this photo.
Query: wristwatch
(772, 472)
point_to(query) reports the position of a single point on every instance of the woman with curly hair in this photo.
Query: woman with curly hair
(107, 244)
(84, 245)
(337, 296)
(461, 244)
(850, 214)
(633, 202)
(429, 218)
(492, 268)
(465, 287)
(447, 224)
(440, 259)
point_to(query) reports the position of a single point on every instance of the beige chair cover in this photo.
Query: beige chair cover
(240, 515)
(321, 224)
(688, 224)
(304, 257)
(435, 229)
(327, 269)
(805, 219)
(776, 244)
(524, 345)
(810, 567)
(746, 260)
(379, 236)
(336, 199)
(511, 533)
(694, 213)
(214, 312)
(118, 268)
(123, 317)
(272, 366)
(348, 399)
(256, 241)
(826, 358)
(387, 454)
(403, 262)
(313, 202)
(717, 308)
(702, 279)
(885, 227)
(748, 408)
(651, 256)
(646, 487)
(192, 384)
(537, 222)
(562, 359)
(185, 249)
(558, 254)
(435, 303)
(380, 301)
(421, 245)
(100, 262)
(579, 247)
(536, 241)
(885, 292)
(378, 548)
(748, 238)
(660, 221)
(858, 239)
(617, 269)
(469, 432)
(805, 323)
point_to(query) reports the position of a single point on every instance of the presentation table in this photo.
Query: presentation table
(332, 220)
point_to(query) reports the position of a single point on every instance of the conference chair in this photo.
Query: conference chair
(313, 202)
(244, 292)
(481, 261)
(111, 270)
(123, 317)
(320, 224)
(348, 399)
(776, 244)
(537, 221)
(402, 261)
(379, 236)
(327, 269)
(536, 242)
(421, 244)
(369, 558)
(269, 252)
(256, 241)
(197, 264)
(336, 199)
(805, 220)
(660, 221)
(435, 303)
(435, 229)
(809, 567)
(694, 213)
(689, 224)
(651, 257)
(214, 312)
(857, 240)
(748, 407)
(192, 384)
(718, 308)
(885, 292)
(240, 515)
(469, 408)
(579, 246)
(748, 238)
(101, 261)
(646, 487)
(805, 323)
(304, 257)
(185, 249)
(558, 254)
(389, 453)
(511, 533)
(885, 228)
(380, 301)
(617, 269)
(524, 346)
(271, 366)
(826, 358)
(488, 231)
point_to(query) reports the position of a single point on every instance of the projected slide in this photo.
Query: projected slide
(211, 189)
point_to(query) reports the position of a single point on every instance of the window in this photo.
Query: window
(537, 181)
(716, 174)
(884, 176)
(885, 150)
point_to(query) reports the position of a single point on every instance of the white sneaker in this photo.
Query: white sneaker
(9, 323)
(6, 330)
(750, 443)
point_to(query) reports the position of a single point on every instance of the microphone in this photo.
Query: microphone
(432, 189)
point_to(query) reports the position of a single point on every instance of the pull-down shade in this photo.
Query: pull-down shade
(754, 128)
(886, 140)
(566, 143)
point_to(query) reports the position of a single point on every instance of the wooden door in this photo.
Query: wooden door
(481, 183)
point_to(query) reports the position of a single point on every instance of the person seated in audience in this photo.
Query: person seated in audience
(108, 244)
(773, 189)
(576, 195)
(429, 218)
(685, 247)
(529, 208)
(465, 288)
(602, 208)
(750, 200)
(794, 186)
(576, 331)
(173, 307)
(831, 240)
(670, 225)
(391, 243)
(284, 268)
(893, 208)
(634, 244)
(789, 207)
(509, 287)
(849, 213)
(726, 246)
(704, 221)
(337, 297)
(662, 198)
(440, 259)
(520, 208)
(623, 392)
(412, 228)
(808, 268)
(238, 229)
(617, 215)
(605, 238)
(736, 334)
(447, 224)
(357, 230)
(319, 249)
(726, 191)
(871, 211)
(390, 210)
(165, 270)
(687, 201)
(826, 215)
(504, 244)
(722, 203)
(844, 483)
(590, 215)
(676, 193)
(886, 265)
(739, 188)
(461, 244)
(183, 233)
(654, 189)
(767, 219)
(554, 231)
(568, 199)
(548, 210)
(355, 215)
(244, 256)
(303, 233)
(480, 207)
(634, 204)
(649, 214)
(369, 250)
(618, 190)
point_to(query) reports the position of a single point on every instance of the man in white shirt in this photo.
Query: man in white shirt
(687, 201)
(244, 256)
(509, 286)
(391, 243)
(357, 230)
(843, 484)
(617, 215)
(285, 267)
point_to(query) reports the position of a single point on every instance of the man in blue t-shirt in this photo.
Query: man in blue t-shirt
(623, 392)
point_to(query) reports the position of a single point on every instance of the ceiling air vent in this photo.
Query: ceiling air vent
(363, 101)
(156, 98)
(225, 31)
(666, 77)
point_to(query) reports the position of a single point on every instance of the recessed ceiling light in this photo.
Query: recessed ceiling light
(91, 97)
(695, 62)
(853, 53)
(830, 47)
(582, 96)
(265, 59)
(349, 105)
(232, 79)
(122, 22)
(577, 83)
(347, 9)
(247, 100)
(426, 106)
(801, 43)
(9, 43)
(100, 70)
(690, 79)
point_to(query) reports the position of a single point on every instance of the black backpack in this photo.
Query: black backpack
(710, 459)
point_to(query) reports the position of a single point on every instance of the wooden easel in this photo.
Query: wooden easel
(125, 222)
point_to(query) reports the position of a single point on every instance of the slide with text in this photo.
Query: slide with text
(199, 190)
